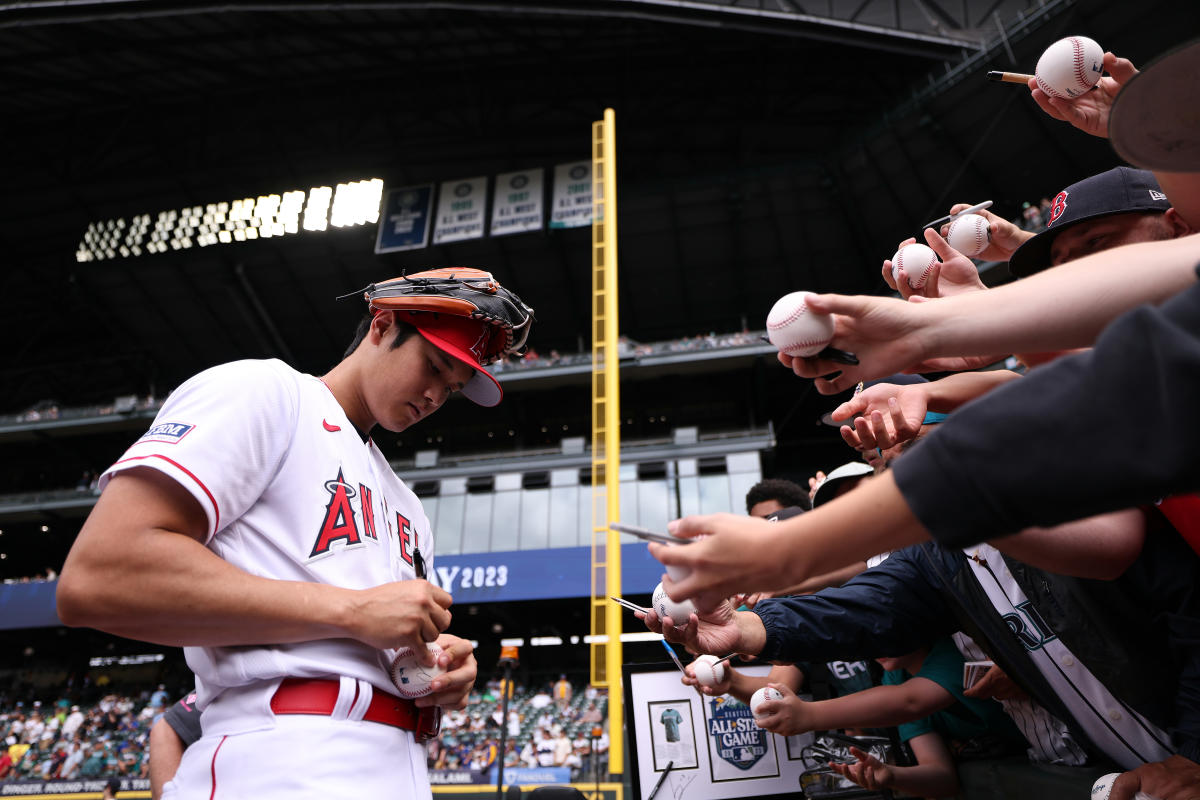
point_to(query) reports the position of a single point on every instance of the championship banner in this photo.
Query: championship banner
(572, 205)
(517, 204)
(404, 223)
(460, 210)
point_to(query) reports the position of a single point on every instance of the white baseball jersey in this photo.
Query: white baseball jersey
(1123, 734)
(291, 493)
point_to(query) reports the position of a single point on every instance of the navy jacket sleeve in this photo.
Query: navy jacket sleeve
(1093, 432)
(888, 610)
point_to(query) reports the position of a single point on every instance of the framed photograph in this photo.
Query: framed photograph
(712, 745)
(672, 734)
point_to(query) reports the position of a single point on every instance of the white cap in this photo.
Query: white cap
(851, 469)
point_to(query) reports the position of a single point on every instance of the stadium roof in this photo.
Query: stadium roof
(762, 147)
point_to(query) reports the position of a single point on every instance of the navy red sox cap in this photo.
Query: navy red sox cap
(1119, 191)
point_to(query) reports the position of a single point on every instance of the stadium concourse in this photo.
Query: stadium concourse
(190, 185)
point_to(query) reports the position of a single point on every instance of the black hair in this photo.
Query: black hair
(404, 332)
(787, 493)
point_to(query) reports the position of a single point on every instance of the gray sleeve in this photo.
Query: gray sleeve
(184, 719)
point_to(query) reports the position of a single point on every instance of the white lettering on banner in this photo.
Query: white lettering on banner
(478, 577)
(517, 202)
(572, 202)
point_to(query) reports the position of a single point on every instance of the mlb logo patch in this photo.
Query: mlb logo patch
(167, 432)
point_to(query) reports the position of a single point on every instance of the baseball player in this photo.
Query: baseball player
(257, 524)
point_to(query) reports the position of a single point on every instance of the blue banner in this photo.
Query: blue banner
(538, 574)
(404, 223)
(457, 777)
(499, 577)
(526, 776)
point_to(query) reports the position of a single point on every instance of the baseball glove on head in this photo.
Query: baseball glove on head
(460, 292)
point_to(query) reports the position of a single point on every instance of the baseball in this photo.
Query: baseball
(677, 572)
(795, 330)
(664, 606)
(707, 671)
(917, 260)
(761, 696)
(1070, 67)
(412, 678)
(1103, 786)
(969, 234)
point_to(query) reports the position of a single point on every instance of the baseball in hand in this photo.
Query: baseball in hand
(664, 606)
(411, 677)
(795, 330)
(1070, 67)
(707, 671)
(1103, 786)
(917, 260)
(969, 234)
(761, 696)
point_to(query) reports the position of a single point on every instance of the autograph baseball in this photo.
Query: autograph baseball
(1070, 67)
(412, 678)
(795, 330)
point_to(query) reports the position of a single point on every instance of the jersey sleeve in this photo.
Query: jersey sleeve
(221, 436)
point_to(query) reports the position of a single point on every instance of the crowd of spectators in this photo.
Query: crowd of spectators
(60, 739)
(550, 726)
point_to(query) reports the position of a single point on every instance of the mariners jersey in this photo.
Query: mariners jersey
(291, 493)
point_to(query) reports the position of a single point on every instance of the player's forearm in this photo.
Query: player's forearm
(835, 578)
(818, 542)
(169, 589)
(1029, 315)
(1100, 547)
(950, 392)
(926, 780)
(877, 707)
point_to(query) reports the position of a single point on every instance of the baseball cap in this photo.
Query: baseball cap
(1121, 190)
(785, 513)
(464, 340)
(1153, 120)
(848, 471)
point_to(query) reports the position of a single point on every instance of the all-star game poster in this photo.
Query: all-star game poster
(714, 746)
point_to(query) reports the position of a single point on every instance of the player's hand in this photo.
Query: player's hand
(1005, 237)
(401, 614)
(732, 553)
(1089, 111)
(714, 632)
(886, 334)
(716, 689)
(451, 689)
(869, 772)
(957, 274)
(1177, 778)
(887, 414)
(905, 288)
(995, 685)
(787, 716)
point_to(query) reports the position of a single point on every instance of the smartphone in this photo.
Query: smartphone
(649, 535)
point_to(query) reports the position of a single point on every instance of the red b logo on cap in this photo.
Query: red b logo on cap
(1056, 211)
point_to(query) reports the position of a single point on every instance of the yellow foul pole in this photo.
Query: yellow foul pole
(606, 436)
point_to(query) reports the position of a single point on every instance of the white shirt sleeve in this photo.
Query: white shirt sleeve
(222, 436)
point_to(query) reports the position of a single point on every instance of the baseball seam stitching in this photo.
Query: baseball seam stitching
(795, 315)
(1077, 58)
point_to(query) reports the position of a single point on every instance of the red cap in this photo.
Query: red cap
(465, 340)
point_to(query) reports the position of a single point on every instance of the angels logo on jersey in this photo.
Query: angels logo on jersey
(340, 522)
